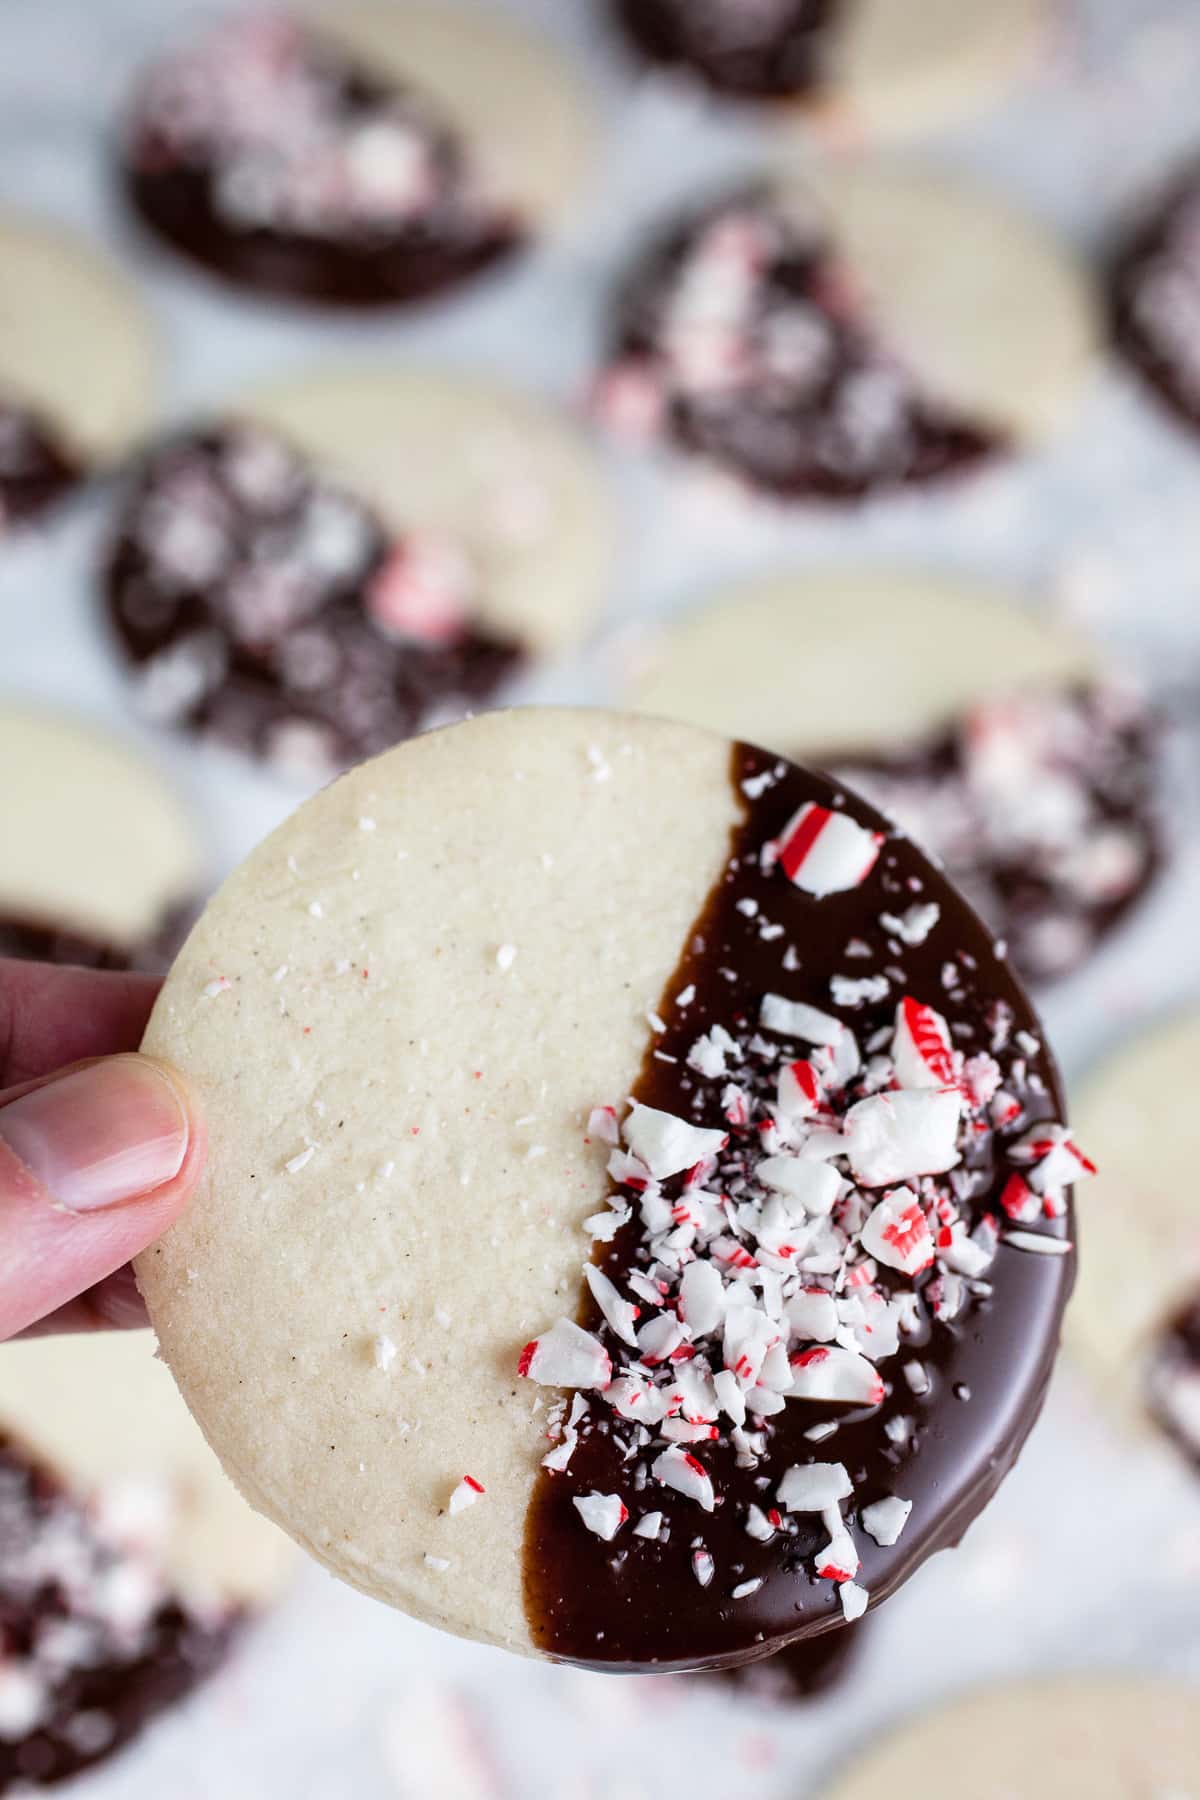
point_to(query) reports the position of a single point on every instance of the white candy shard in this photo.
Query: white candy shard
(886, 1519)
(602, 1125)
(796, 1018)
(898, 1137)
(825, 852)
(620, 1313)
(602, 1513)
(649, 1525)
(566, 1356)
(798, 1092)
(1039, 1243)
(813, 1315)
(665, 1144)
(854, 1601)
(385, 1352)
(897, 1233)
(812, 1186)
(701, 1298)
(831, 1373)
(811, 1487)
(758, 1526)
(702, 1566)
(838, 1561)
(680, 1470)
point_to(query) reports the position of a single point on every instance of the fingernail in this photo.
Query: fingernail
(100, 1135)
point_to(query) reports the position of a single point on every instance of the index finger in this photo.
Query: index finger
(50, 1016)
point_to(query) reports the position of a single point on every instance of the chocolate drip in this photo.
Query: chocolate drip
(636, 1602)
(805, 1671)
(1154, 297)
(36, 469)
(257, 632)
(39, 940)
(801, 402)
(97, 1684)
(765, 53)
(1173, 1380)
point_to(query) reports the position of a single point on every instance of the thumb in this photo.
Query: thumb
(94, 1165)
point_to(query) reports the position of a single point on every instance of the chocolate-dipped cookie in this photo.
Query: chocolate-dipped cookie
(360, 156)
(344, 559)
(652, 1186)
(101, 864)
(1155, 297)
(128, 1564)
(1136, 1325)
(858, 67)
(77, 366)
(1000, 741)
(831, 335)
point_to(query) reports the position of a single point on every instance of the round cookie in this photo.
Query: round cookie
(349, 556)
(359, 155)
(866, 68)
(415, 1016)
(953, 710)
(101, 861)
(1135, 1324)
(828, 333)
(1155, 297)
(77, 365)
(127, 1560)
(1094, 1737)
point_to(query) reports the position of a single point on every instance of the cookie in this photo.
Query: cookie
(1136, 1323)
(344, 559)
(416, 1017)
(1088, 1737)
(864, 68)
(101, 863)
(359, 155)
(1155, 297)
(999, 740)
(862, 329)
(128, 1564)
(77, 366)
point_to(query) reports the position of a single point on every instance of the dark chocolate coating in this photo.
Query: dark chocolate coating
(782, 60)
(1162, 246)
(792, 438)
(635, 1602)
(41, 940)
(805, 1671)
(36, 468)
(99, 1704)
(1176, 1357)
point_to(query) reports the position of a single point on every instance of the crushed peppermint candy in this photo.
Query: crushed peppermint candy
(465, 1494)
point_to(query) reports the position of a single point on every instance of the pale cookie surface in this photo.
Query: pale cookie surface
(76, 346)
(1141, 1275)
(1091, 1738)
(95, 841)
(397, 1106)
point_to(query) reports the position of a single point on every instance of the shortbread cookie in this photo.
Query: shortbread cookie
(100, 862)
(1155, 297)
(1136, 1323)
(1090, 1737)
(1000, 741)
(358, 155)
(829, 334)
(345, 559)
(863, 67)
(415, 1017)
(77, 366)
(127, 1561)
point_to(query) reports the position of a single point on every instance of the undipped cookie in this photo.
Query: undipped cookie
(359, 154)
(1135, 1324)
(1001, 741)
(100, 859)
(347, 557)
(77, 366)
(1090, 1737)
(127, 1561)
(862, 67)
(415, 1017)
(828, 333)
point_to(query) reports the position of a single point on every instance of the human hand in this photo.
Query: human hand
(99, 1148)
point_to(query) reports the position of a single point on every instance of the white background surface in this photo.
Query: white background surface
(1091, 1555)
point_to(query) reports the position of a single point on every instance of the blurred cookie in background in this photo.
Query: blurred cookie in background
(128, 1562)
(77, 366)
(347, 558)
(866, 67)
(1087, 1737)
(1000, 742)
(1135, 1320)
(836, 333)
(1155, 297)
(360, 155)
(99, 861)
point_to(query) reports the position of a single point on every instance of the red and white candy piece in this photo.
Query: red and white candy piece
(566, 1356)
(465, 1494)
(1053, 1158)
(921, 1049)
(838, 1560)
(602, 1513)
(668, 1145)
(897, 1233)
(798, 1092)
(825, 852)
(423, 590)
(898, 1137)
(679, 1469)
(828, 1372)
